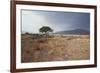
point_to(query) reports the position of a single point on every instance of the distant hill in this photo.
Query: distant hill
(76, 31)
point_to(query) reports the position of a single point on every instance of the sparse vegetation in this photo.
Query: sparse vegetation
(56, 48)
(45, 30)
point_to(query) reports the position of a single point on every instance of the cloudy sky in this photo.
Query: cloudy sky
(32, 20)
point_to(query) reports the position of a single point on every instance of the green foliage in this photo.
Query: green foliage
(27, 33)
(45, 29)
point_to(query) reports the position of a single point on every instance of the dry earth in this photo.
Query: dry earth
(57, 48)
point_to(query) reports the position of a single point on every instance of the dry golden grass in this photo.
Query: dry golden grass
(57, 48)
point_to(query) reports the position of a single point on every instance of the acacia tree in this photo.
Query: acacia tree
(45, 30)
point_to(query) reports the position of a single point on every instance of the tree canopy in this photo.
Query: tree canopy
(45, 29)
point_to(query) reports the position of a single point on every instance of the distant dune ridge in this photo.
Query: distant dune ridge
(76, 31)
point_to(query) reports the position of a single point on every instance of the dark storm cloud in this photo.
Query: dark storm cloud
(64, 20)
(68, 20)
